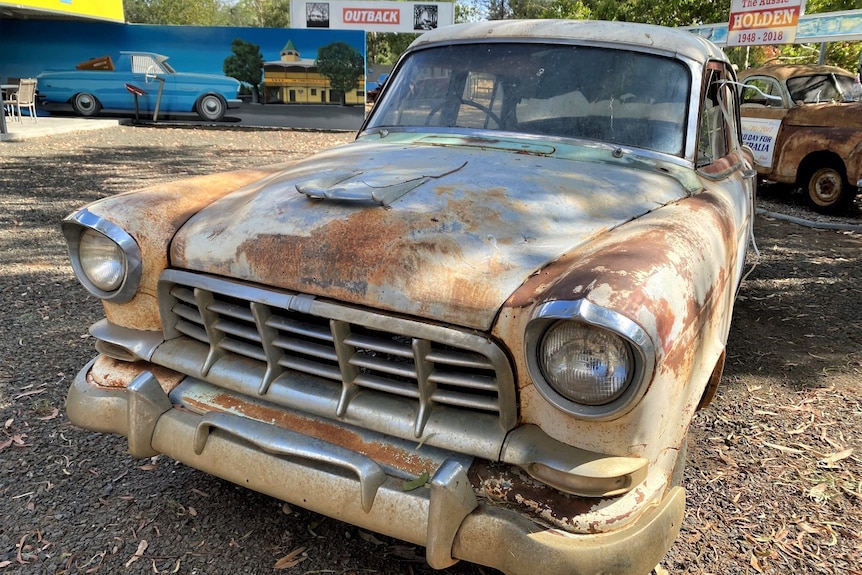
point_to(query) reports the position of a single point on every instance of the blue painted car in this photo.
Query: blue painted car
(142, 79)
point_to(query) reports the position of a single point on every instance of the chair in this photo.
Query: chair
(25, 97)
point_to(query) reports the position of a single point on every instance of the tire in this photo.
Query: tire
(828, 191)
(211, 107)
(86, 104)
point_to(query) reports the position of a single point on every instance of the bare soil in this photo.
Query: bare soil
(774, 481)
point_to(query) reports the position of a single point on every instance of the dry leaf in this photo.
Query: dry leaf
(818, 491)
(292, 559)
(369, 538)
(54, 413)
(148, 467)
(142, 546)
(836, 457)
(783, 448)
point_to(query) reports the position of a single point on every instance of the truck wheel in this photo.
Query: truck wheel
(828, 190)
(86, 105)
(211, 107)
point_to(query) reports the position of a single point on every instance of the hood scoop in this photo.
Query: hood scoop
(366, 187)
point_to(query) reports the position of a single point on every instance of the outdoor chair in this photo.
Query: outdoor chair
(25, 97)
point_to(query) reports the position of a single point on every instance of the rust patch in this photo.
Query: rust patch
(408, 461)
(152, 216)
(510, 485)
(112, 373)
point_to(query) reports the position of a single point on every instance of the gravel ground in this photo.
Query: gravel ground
(775, 463)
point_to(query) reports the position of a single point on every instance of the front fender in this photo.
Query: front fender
(152, 217)
(673, 272)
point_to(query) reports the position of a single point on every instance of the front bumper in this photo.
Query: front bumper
(446, 517)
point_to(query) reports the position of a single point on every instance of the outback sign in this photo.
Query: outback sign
(372, 16)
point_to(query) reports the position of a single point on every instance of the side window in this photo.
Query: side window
(711, 143)
(719, 131)
(756, 91)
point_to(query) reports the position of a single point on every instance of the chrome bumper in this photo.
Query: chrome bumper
(447, 518)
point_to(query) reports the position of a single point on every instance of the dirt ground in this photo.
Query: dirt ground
(774, 481)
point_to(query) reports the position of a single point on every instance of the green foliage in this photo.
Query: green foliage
(342, 65)
(260, 13)
(245, 64)
(177, 12)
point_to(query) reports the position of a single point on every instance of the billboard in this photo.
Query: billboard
(95, 9)
(372, 16)
(757, 22)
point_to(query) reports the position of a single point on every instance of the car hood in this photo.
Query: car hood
(439, 227)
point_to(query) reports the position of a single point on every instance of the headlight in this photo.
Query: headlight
(585, 364)
(102, 260)
(586, 360)
(106, 259)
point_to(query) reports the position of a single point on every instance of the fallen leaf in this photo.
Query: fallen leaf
(292, 559)
(148, 467)
(836, 457)
(54, 413)
(783, 448)
(369, 538)
(142, 546)
(818, 491)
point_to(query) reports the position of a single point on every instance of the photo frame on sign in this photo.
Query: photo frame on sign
(317, 14)
(425, 17)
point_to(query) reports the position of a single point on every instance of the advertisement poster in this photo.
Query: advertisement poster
(759, 134)
(379, 16)
(110, 10)
(758, 22)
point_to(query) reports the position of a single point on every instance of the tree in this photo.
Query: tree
(177, 12)
(260, 13)
(246, 65)
(342, 65)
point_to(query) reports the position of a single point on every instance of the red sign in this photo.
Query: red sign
(371, 16)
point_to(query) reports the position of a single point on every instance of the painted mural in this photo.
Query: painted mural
(72, 58)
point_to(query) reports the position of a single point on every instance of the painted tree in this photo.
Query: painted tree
(342, 65)
(246, 65)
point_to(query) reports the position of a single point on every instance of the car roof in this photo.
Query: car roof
(784, 71)
(635, 35)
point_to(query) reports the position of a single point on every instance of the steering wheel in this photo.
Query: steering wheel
(481, 107)
(150, 74)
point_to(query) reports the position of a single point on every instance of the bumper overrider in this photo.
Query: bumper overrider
(448, 514)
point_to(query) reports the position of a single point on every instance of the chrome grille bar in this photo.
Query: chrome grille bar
(437, 367)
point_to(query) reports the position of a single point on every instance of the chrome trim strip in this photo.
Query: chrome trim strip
(73, 226)
(590, 313)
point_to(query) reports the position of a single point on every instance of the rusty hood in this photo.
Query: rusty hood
(438, 227)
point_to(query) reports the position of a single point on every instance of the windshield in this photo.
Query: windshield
(819, 88)
(615, 96)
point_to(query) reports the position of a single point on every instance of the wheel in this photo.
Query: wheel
(828, 190)
(211, 107)
(86, 105)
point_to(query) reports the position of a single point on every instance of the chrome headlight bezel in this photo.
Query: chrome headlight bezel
(639, 344)
(75, 226)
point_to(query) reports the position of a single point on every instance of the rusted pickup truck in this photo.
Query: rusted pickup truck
(805, 127)
(484, 326)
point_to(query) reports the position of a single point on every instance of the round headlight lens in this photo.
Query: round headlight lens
(585, 364)
(102, 260)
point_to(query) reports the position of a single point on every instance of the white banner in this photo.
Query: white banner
(759, 134)
(372, 16)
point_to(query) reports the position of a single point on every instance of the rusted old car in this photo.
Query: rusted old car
(805, 126)
(483, 326)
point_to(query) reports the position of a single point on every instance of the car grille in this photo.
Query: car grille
(348, 350)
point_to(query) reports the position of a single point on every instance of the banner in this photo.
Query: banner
(759, 134)
(757, 22)
(372, 16)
